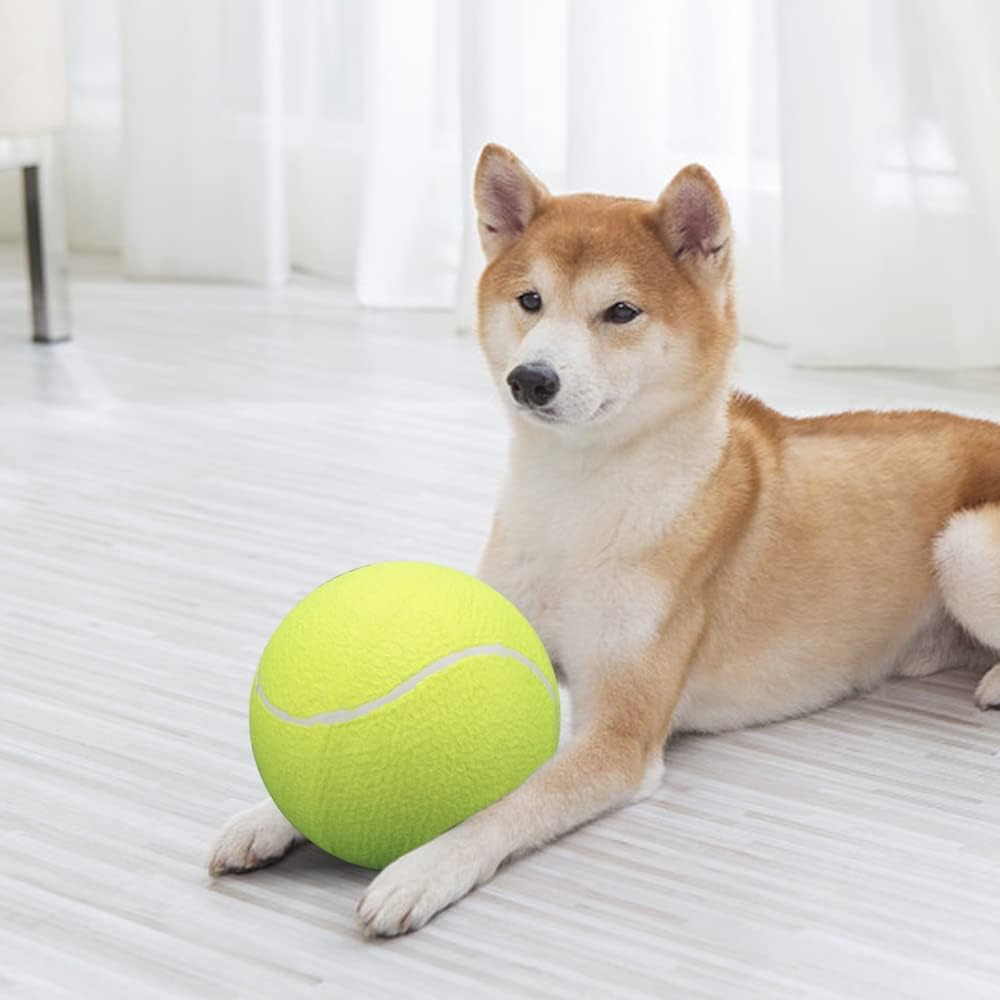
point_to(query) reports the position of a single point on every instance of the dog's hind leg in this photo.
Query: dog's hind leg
(967, 558)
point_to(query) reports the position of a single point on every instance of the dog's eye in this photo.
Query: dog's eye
(530, 301)
(621, 312)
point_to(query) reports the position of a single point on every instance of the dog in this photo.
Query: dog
(692, 560)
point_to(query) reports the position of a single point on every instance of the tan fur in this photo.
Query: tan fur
(824, 546)
(691, 558)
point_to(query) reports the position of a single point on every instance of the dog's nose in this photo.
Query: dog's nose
(533, 385)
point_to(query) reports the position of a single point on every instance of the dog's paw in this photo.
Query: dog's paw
(411, 890)
(988, 693)
(254, 838)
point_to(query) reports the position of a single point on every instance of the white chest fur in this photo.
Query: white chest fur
(571, 547)
(589, 608)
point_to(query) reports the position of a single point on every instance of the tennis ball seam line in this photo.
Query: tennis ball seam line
(340, 715)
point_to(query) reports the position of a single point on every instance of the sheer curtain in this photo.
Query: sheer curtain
(857, 141)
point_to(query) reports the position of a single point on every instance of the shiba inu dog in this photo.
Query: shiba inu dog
(692, 559)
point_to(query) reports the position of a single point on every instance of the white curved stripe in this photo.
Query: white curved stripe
(346, 714)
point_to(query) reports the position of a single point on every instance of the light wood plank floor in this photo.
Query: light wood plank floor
(199, 458)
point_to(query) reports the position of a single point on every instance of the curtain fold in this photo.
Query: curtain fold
(202, 144)
(889, 247)
(411, 212)
(857, 142)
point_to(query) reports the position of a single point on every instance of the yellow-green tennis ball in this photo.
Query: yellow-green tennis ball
(393, 702)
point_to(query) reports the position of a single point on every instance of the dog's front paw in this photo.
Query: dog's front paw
(411, 890)
(254, 838)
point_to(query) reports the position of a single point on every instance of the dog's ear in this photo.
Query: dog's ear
(508, 196)
(693, 221)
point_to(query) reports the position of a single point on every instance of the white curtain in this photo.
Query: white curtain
(857, 141)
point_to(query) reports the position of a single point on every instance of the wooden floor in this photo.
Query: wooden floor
(199, 458)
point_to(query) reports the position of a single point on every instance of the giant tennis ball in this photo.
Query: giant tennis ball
(393, 702)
